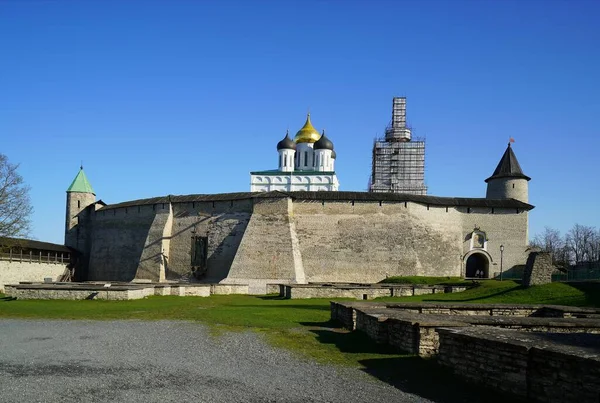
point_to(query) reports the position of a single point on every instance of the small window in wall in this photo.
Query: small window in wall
(78, 203)
(513, 185)
(306, 158)
(198, 255)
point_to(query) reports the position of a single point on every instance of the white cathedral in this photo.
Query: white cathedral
(305, 163)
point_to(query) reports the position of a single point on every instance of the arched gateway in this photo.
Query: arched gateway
(477, 262)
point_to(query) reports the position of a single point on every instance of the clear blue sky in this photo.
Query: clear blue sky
(182, 97)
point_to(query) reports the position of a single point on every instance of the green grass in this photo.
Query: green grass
(511, 292)
(303, 326)
(425, 280)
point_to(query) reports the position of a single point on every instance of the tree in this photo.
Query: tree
(15, 206)
(579, 238)
(551, 241)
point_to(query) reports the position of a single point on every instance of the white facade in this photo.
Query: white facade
(294, 181)
(324, 160)
(305, 163)
(286, 160)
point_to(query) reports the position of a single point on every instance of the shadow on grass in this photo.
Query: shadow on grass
(272, 297)
(294, 306)
(425, 378)
(487, 296)
(591, 289)
(8, 298)
(409, 373)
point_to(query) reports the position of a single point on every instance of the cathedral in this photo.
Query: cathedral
(305, 163)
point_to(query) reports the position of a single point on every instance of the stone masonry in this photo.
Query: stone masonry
(301, 237)
(538, 269)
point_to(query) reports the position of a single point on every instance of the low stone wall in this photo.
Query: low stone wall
(82, 293)
(15, 272)
(362, 292)
(227, 289)
(344, 311)
(198, 291)
(561, 368)
(410, 330)
(118, 291)
(257, 286)
(274, 289)
(304, 292)
(374, 324)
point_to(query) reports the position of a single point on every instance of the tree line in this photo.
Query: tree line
(579, 245)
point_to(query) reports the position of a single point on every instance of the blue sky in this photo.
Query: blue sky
(182, 97)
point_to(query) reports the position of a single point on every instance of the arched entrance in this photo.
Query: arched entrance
(477, 262)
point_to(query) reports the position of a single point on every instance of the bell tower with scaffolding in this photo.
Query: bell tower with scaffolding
(398, 159)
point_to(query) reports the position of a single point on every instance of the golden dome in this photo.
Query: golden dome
(308, 134)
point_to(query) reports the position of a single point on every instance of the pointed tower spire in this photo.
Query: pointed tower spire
(81, 184)
(508, 167)
(508, 180)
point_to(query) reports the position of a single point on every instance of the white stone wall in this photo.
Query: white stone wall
(304, 157)
(302, 240)
(286, 160)
(293, 182)
(323, 161)
(13, 272)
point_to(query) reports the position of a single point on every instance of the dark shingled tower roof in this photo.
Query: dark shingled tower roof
(508, 167)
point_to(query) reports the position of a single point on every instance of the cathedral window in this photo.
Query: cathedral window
(306, 158)
(284, 160)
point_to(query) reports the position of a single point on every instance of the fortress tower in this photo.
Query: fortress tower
(79, 196)
(508, 180)
(398, 160)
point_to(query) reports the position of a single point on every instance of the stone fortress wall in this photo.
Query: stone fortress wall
(16, 271)
(300, 237)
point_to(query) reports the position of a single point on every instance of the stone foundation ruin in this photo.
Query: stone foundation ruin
(543, 353)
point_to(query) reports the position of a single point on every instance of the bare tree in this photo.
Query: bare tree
(15, 206)
(593, 248)
(578, 241)
(551, 241)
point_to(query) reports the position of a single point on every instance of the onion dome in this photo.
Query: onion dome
(308, 134)
(286, 143)
(324, 143)
(333, 154)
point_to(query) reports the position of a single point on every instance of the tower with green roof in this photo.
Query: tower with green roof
(80, 195)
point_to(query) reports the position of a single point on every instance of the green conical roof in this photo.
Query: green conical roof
(81, 184)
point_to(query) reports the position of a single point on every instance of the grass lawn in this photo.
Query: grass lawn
(511, 292)
(303, 326)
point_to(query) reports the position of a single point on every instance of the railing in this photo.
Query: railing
(577, 275)
(38, 257)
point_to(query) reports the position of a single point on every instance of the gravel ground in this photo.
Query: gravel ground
(135, 361)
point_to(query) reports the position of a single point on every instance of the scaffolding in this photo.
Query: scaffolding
(398, 160)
